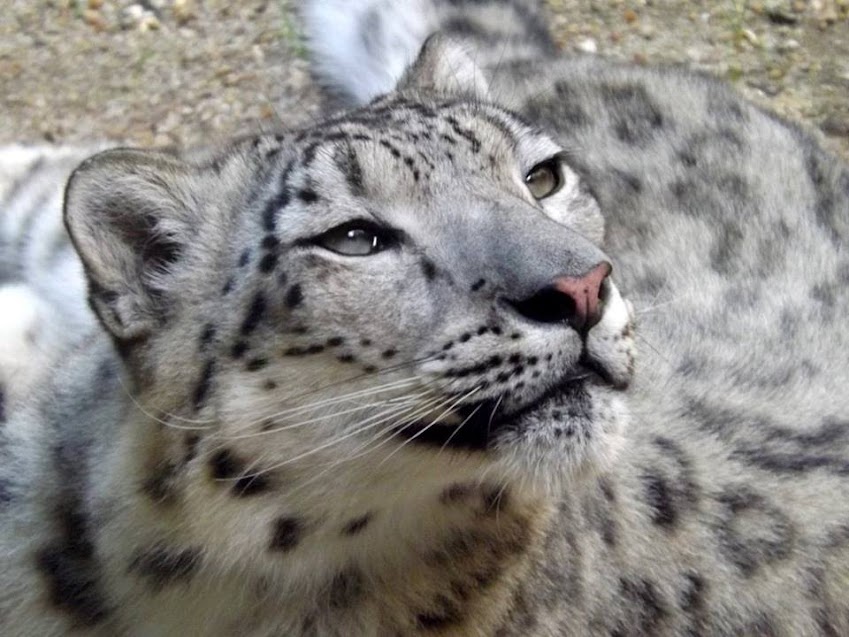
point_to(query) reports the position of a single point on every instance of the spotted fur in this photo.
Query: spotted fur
(282, 429)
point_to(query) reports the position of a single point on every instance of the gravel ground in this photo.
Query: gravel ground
(187, 71)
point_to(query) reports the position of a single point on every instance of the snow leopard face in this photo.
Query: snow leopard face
(416, 284)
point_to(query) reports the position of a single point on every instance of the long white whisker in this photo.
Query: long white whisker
(367, 447)
(326, 445)
(391, 401)
(444, 413)
(370, 391)
(206, 423)
(459, 427)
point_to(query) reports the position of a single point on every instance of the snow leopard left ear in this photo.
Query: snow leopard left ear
(130, 214)
(443, 66)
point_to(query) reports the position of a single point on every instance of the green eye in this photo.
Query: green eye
(356, 239)
(544, 179)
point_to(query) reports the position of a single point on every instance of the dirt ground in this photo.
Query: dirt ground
(186, 71)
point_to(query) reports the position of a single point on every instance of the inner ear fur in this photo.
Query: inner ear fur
(129, 214)
(444, 66)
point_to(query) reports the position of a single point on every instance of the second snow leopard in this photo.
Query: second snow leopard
(375, 377)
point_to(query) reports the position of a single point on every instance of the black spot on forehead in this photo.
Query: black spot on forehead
(294, 296)
(238, 350)
(268, 262)
(428, 269)
(244, 257)
(255, 313)
(308, 195)
(660, 500)
(207, 334)
(227, 287)
(348, 164)
(6, 496)
(279, 200)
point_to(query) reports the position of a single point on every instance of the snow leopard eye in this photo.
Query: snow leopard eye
(358, 238)
(544, 179)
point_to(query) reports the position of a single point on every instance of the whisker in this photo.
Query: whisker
(434, 422)
(206, 423)
(459, 427)
(329, 416)
(366, 447)
(385, 370)
(328, 402)
(321, 447)
(655, 306)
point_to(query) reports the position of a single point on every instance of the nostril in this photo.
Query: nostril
(546, 306)
(578, 301)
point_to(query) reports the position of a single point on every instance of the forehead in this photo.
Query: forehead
(421, 137)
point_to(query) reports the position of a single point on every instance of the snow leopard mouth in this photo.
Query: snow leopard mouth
(481, 423)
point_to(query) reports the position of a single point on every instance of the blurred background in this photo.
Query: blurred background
(162, 72)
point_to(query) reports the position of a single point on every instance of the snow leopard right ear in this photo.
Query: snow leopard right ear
(129, 214)
(443, 66)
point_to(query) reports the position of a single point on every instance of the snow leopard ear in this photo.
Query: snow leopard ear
(129, 216)
(443, 66)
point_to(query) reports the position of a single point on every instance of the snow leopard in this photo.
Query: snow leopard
(517, 343)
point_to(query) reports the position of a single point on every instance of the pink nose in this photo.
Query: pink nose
(585, 292)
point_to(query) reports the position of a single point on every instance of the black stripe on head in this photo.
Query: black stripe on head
(346, 161)
(254, 314)
(279, 201)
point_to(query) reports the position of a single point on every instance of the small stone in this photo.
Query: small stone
(778, 12)
(630, 16)
(695, 54)
(95, 4)
(149, 23)
(94, 19)
(836, 125)
(184, 11)
(787, 45)
(750, 36)
(587, 45)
